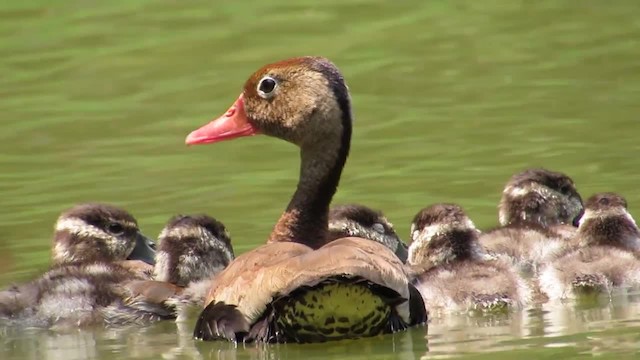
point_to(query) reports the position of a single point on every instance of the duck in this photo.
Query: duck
(451, 269)
(94, 246)
(191, 250)
(607, 257)
(362, 221)
(538, 215)
(96, 232)
(299, 282)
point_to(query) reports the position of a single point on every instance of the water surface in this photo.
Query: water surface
(450, 99)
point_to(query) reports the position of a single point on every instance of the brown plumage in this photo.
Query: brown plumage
(306, 102)
(538, 213)
(451, 270)
(361, 221)
(608, 253)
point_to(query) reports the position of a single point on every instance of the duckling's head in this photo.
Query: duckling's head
(540, 197)
(443, 233)
(302, 100)
(192, 248)
(607, 221)
(99, 232)
(364, 222)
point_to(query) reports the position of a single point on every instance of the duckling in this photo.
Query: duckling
(91, 244)
(608, 253)
(537, 214)
(451, 270)
(362, 221)
(93, 232)
(191, 250)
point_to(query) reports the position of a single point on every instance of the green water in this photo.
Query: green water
(450, 99)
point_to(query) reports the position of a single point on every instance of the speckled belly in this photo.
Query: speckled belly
(332, 311)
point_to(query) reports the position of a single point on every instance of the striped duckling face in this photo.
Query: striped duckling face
(441, 234)
(607, 221)
(99, 232)
(192, 248)
(364, 222)
(540, 197)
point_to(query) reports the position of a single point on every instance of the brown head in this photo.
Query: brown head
(443, 233)
(99, 232)
(304, 101)
(192, 248)
(606, 221)
(361, 221)
(540, 197)
(301, 100)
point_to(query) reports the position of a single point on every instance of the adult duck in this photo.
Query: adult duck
(298, 287)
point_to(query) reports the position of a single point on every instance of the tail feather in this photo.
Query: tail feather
(221, 321)
(419, 314)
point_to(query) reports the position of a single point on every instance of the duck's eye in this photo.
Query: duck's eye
(115, 229)
(565, 189)
(266, 87)
(379, 228)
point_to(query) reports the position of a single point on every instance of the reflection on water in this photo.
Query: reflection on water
(450, 99)
(601, 327)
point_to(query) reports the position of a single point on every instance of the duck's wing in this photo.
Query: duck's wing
(236, 286)
(142, 302)
(245, 289)
(138, 267)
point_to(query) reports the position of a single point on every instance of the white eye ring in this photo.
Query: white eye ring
(266, 87)
(379, 228)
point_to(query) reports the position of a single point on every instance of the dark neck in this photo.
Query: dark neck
(306, 218)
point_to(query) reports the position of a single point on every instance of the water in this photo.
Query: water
(450, 99)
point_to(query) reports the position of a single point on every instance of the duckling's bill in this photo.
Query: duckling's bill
(232, 124)
(402, 251)
(144, 250)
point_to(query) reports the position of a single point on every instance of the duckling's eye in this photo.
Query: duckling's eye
(115, 229)
(379, 228)
(565, 189)
(266, 87)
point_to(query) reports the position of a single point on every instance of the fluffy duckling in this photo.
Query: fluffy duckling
(91, 245)
(361, 221)
(191, 250)
(537, 214)
(95, 232)
(451, 270)
(609, 242)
